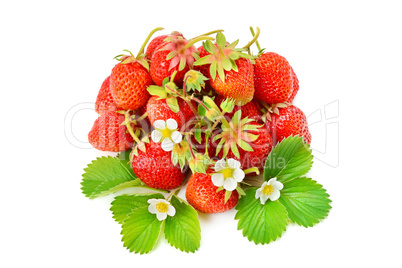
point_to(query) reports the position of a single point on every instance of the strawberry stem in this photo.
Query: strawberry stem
(199, 102)
(146, 40)
(208, 33)
(256, 42)
(129, 128)
(190, 145)
(195, 40)
(255, 37)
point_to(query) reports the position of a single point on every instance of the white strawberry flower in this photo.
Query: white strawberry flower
(161, 208)
(228, 174)
(269, 190)
(166, 133)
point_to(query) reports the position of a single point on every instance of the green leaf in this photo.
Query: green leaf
(173, 104)
(291, 158)
(141, 231)
(305, 201)
(260, 223)
(107, 175)
(123, 205)
(183, 230)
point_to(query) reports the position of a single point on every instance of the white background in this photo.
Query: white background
(54, 55)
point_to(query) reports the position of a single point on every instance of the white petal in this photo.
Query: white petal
(277, 185)
(167, 145)
(171, 210)
(156, 135)
(152, 209)
(275, 195)
(176, 137)
(263, 199)
(238, 174)
(271, 181)
(171, 124)
(153, 201)
(161, 216)
(233, 164)
(218, 179)
(230, 184)
(258, 193)
(220, 164)
(159, 124)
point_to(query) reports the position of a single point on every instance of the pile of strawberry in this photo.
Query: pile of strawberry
(180, 108)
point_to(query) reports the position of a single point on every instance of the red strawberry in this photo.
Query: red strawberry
(104, 100)
(107, 133)
(262, 146)
(250, 109)
(158, 109)
(128, 85)
(235, 72)
(201, 194)
(156, 42)
(154, 167)
(290, 121)
(295, 87)
(172, 56)
(272, 78)
(130, 78)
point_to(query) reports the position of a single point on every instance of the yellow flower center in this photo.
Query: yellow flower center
(162, 207)
(267, 190)
(166, 133)
(227, 172)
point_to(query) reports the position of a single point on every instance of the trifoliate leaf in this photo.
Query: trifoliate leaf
(291, 158)
(141, 231)
(107, 175)
(183, 230)
(260, 223)
(305, 201)
(123, 205)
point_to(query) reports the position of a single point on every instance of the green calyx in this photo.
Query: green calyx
(269, 109)
(236, 133)
(181, 154)
(222, 56)
(194, 80)
(182, 51)
(199, 163)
